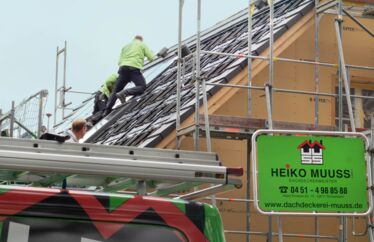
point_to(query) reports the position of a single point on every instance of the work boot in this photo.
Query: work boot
(121, 96)
(105, 113)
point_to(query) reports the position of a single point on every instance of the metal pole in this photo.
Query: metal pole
(316, 227)
(248, 192)
(303, 236)
(268, 105)
(48, 116)
(205, 98)
(371, 150)
(250, 12)
(342, 229)
(280, 231)
(56, 87)
(288, 90)
(239, 200)
(343, 73)
(197, 84)
(40, 114)
(206, 118)
(25, 128)
(316, 67)
(271, 42)
(271, 57)
(269, 86)
(1, 117)
(300, 61)
(342, 67)
(11, 125)
(358, 23)
(178, 123)
(141, 188)
(78, 92)
(270, 230)
(64, 84)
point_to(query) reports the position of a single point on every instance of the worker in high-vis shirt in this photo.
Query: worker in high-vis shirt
(104, 93)
(101, 99)
(131, 62)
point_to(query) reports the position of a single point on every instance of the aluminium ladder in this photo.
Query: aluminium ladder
(114, 168)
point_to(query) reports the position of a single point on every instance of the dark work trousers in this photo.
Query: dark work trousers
(100, 102)
(99, 107)
(127, 74)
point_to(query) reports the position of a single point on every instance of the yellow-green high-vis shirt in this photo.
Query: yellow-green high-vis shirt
(134, 53)
(109, 85)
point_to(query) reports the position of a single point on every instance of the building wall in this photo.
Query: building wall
(358, 50)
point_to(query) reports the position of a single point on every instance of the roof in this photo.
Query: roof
(84, 109)
(147, 119)
(311, 145)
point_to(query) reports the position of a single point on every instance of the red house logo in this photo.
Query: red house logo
(311, 153)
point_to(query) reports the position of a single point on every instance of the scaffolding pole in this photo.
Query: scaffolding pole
(64, 83)
(41, 95)
(290, 60)
(56, 87)
(197, 81)
(269, 93)
(280, 229)
(198, 70)
(1, 119)
(342, 66)
(250, 14)
(248, 192)
(325, 94)
(62, 90)
(371, 152)
(316, 228)
(316, 67)
(12, 119)
(178, 123)
(248, 184)
(290, 235)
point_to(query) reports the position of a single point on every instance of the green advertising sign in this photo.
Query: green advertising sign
(311, 174)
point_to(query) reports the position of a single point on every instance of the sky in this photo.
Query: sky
(95, 31)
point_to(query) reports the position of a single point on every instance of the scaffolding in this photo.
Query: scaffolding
(61, 89)
(26, 118)
(221, 128)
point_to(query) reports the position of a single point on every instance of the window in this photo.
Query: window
(27, 229)
(363, 108)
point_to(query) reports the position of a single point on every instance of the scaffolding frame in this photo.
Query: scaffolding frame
(11, 115)
(343, 80)
(60, 91)
(62, 105)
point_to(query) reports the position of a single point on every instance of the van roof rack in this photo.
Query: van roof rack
(150, 171)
